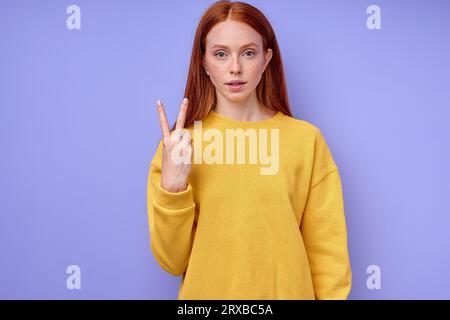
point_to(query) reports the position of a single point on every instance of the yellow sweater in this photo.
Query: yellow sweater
(237, 233)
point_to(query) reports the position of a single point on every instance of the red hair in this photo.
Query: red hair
(271, 90)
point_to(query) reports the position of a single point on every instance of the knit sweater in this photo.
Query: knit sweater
(246, 229)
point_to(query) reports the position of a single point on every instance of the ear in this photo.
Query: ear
(268, 57)
(204, 67)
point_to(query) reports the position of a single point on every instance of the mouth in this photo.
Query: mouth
(236, 85)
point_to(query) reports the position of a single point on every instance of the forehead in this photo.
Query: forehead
(233, 34)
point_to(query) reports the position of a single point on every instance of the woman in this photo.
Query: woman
(236, 223)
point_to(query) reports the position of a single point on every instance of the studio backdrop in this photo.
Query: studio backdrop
(78, 128)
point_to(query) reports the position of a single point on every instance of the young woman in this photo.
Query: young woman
(236, 220)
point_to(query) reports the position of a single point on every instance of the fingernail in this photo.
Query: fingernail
(185, 100)
(158, 102)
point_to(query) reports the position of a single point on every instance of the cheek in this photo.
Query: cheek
(254, 71)
(213, 74)
(217, 72)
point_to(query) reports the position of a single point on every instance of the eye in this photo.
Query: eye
(252, 53)
(216, 54)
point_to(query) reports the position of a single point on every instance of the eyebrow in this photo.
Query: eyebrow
(223, 46)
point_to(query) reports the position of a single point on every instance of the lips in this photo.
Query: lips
(235, 82)
(236, 85)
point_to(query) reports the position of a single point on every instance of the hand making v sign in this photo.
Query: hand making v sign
(175, 145)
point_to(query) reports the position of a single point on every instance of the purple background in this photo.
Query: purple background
(79, 127)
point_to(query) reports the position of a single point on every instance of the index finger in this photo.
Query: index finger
(163, 120)
(182, 114)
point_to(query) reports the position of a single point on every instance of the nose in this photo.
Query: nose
(236, 66)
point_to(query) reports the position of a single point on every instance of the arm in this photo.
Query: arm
(171, 221)
(323, 228)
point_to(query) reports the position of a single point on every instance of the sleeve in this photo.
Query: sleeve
(171, 220)
(323, 228)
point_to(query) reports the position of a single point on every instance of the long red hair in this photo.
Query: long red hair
(271, 90)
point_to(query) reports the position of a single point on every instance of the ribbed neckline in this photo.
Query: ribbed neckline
(232, 122)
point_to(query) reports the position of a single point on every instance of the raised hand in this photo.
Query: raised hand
(176, 149)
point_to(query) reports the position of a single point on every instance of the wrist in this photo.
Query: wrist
(174, 188)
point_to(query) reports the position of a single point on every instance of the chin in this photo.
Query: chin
(237, 97)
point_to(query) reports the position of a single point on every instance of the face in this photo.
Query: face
(234, 51)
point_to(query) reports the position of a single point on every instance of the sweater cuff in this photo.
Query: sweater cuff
(174, 200)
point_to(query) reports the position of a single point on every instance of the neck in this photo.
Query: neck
(249, 109)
